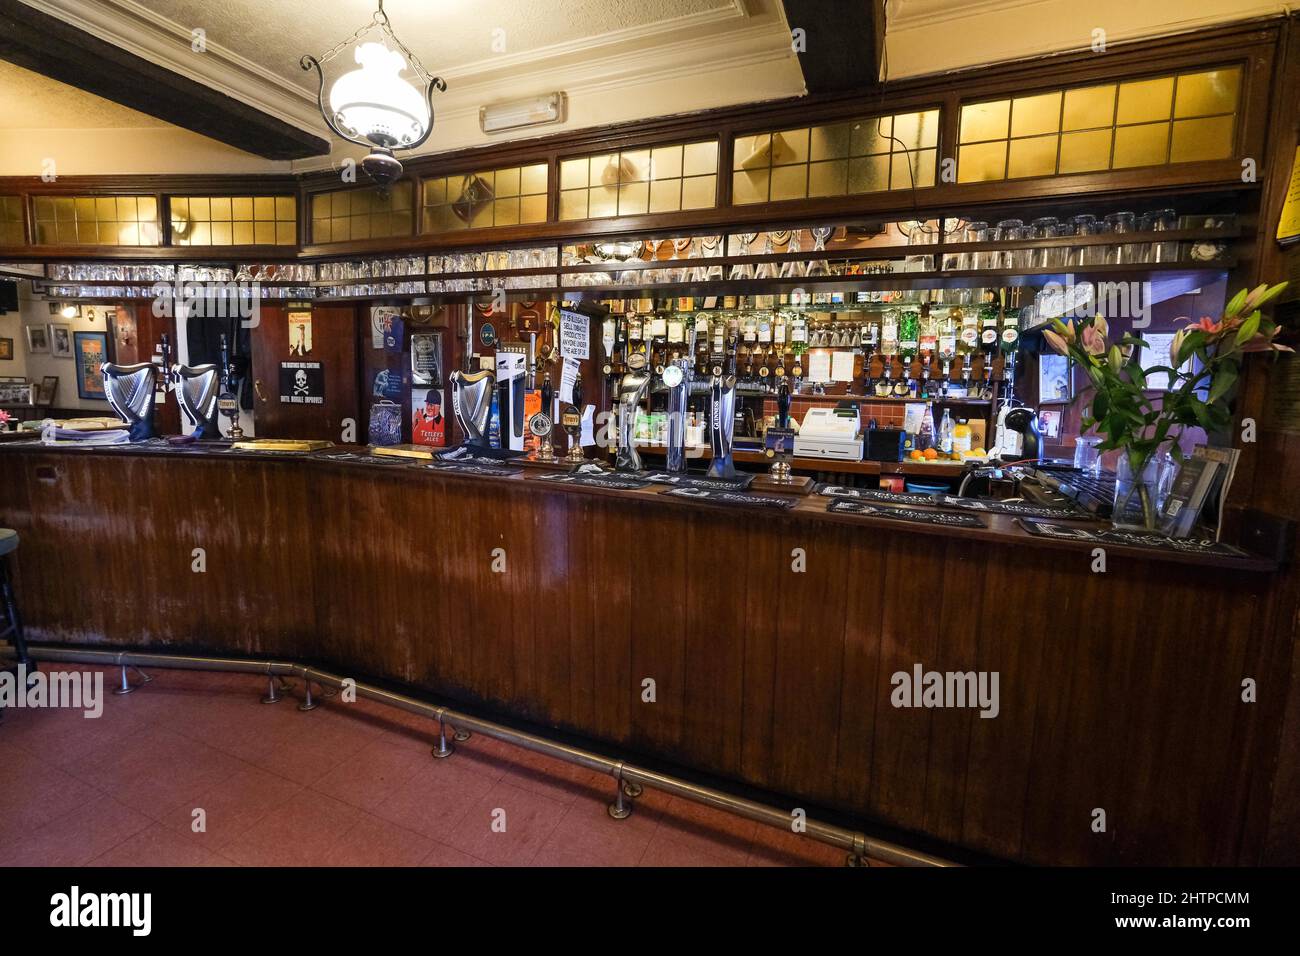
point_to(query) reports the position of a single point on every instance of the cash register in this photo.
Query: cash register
(830, 433)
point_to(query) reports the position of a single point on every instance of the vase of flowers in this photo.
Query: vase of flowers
(1144, 425)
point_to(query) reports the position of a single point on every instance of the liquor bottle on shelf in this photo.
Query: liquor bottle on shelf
(990, 319)
(888, 352)
(1010, 343)
(945, 433)
(908, 341)
(947, 343)
(968, 343)
(929, 342)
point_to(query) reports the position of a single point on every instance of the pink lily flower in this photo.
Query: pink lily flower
(1094, 343)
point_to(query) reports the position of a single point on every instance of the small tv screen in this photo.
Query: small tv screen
(8, 296)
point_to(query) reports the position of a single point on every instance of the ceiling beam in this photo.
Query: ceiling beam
(842, 42)
(47, 45)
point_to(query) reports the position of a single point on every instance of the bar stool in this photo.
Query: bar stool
(11, 626)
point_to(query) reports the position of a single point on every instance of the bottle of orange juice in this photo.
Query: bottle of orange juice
(960, 438)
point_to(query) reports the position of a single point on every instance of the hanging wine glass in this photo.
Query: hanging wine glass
(743, 270)
(793, 269)
(766, 270)
(820, 267)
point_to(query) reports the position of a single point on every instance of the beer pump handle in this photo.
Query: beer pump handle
(783, 405)
(546, 393)
(577, 391)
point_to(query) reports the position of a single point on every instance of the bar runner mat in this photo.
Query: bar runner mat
(489, 469)
(941, 518)
(1018, 508)
(592, 480)
(739, 483)
(356, 458)
(739, 498)
(1136, 539)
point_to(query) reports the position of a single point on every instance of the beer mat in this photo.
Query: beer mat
(875, 494)
(463, 454)
(1018, 508)
(1021, 509)
(488, 468)
(942, 518)
(359, 458)
(740, 498)
(610, 479)
(1134, 539)
(739, 483)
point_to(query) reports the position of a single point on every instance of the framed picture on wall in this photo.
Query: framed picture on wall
(6, 350)
(38, 340)
(60, 340)
(1053, 378)
(90, 349)
(46, 391)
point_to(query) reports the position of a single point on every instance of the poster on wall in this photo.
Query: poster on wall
(302, 383)
(90, 350)
(299, 320)
(426, 359)
(1053, 378)
(428, 426)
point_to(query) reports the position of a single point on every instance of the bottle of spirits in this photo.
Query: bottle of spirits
(969, 342)
(948, 341)
(909, 331)
(945, 433)
(1010, 343)
(990, 320)
(929, 342)
(888, 351)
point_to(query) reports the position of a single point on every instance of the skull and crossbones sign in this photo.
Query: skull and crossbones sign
(300, 382)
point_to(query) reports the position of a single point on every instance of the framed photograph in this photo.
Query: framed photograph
(38, 340)
(6, 350)
(1054, 378)
(90, 349)
(60, 339)
(47, 390)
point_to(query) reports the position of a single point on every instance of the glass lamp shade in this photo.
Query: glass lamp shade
(374, 101)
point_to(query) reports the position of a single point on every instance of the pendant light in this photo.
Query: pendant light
(373, 105)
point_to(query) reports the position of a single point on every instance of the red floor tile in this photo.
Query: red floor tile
(345, 784)
(305, 831)
(159, 846)
(231, 807)
(529, 819)
(376, 842)
(77, 837)
(435, 798)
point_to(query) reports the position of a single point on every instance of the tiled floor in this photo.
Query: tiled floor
(347, 784)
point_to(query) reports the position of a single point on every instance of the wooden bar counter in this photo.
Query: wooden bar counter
(1118, 691)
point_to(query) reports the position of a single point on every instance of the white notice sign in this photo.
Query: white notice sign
(575, 335)
(568, 375)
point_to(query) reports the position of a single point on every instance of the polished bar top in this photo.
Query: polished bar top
(1001, 529)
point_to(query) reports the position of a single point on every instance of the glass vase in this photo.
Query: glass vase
(1140, 493)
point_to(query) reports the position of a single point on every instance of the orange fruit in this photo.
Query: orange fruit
(930, 454)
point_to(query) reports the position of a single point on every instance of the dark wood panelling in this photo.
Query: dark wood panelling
(1118, 690)
(335, 345)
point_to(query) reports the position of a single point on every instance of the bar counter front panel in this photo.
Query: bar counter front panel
(1118, 691)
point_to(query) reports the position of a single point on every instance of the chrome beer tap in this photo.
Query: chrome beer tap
(722, 417)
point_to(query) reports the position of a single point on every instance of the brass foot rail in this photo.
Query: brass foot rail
(628, 779)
